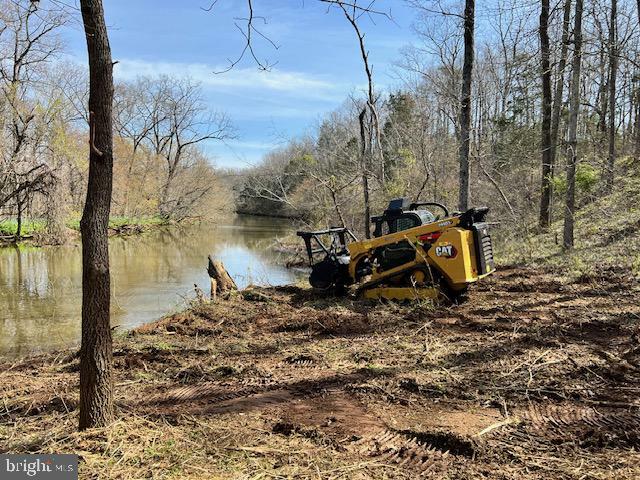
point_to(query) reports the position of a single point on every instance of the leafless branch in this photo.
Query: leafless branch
(247, 31)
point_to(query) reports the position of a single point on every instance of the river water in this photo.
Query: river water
(151, 275)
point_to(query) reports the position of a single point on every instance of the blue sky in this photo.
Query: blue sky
(318, 61)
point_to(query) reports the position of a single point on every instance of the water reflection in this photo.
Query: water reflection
(40, 289)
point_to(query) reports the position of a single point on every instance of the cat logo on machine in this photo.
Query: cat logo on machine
(447, 251)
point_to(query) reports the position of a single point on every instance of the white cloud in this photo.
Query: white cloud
(295, 83)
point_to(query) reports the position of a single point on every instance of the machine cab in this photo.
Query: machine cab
(401, 215)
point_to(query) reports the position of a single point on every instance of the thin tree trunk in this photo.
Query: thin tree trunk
(546, 140)
(613, 72)
(627, 125)
(96, 384)
(18, 234)
(367, 205)
(559, 91)
(336, 205)
(370, 140)
(364, 163)
(465, 106)
(637, 122)
(572, 143)
(602, 99)
(636, 100)
(127, 188)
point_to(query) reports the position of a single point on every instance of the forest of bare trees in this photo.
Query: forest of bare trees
(510, 146)
(160, 125)
(551, 124)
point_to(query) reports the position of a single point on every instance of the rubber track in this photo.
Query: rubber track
(302, 361)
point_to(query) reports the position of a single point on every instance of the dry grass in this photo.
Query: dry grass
(534, 377)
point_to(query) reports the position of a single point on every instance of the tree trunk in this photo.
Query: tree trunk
(164, 197)
(336, 205)
(364, 163)
(96, 384)
(636, 149)
(546, 140)
(572, 143)
(367, 205)
(613, 72)
(636, 133)
(18, 234)
(127, 187)
(218, 274)
(602, 97)
(559, 91)
(465, 106)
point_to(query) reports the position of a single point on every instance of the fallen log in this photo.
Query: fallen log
(221, 281)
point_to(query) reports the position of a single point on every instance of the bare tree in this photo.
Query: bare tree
(370, 141)
(137, 113)
(636, 152)
(558, 96)
(546, 140)
(465, 106)
(180, 122)
(28, 41)
(613, 72)
(96, 381)
(572, 142)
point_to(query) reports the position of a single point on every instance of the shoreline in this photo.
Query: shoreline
(264, 215)
(117, 228)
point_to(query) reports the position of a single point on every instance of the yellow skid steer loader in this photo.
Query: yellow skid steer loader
(418, 251)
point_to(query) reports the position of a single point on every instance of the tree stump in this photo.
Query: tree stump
(221, 281)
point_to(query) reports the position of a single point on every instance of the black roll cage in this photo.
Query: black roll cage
(339, 237)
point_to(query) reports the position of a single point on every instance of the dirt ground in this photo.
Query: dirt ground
(533, 377)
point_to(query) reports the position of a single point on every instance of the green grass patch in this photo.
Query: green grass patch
(74, 223)
(29, 227)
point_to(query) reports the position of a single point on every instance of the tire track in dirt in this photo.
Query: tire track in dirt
(302, 360)
(421, 451)
(552, 426)
(213, 399)
(569, 422)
